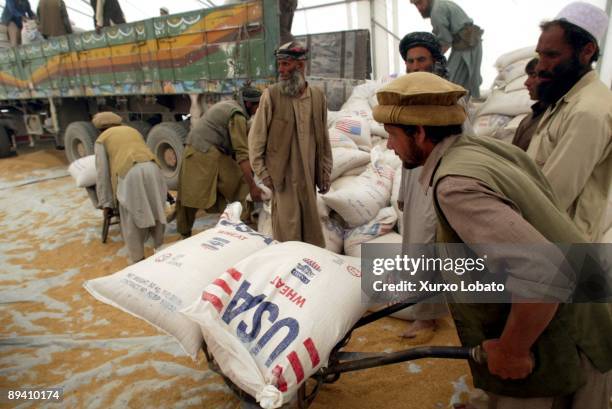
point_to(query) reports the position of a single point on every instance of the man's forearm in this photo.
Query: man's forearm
(525, 324)
(247, 172)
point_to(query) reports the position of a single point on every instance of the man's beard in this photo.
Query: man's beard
(427, 12)
(417, 156)
(293, 86)
(437, 68)
(562, 78)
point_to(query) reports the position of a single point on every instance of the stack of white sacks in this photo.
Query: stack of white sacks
(508, 101)
(361, 205)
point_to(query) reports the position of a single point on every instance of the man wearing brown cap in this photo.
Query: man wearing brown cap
(573, 141)
(540, 355)
(289, 148)
(130, 180)
(215, 169)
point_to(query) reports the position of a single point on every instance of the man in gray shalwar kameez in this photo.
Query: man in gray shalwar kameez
(129, 179)
(422, 52)
(455, 30)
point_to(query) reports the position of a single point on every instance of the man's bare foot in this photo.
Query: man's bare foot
(420, 326)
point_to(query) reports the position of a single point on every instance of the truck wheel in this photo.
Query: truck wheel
(141, 126)
(166, 141)
(5, 143)
(79, 140)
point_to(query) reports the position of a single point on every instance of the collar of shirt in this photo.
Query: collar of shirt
(306, 93)
(431, 163)
(538, 109)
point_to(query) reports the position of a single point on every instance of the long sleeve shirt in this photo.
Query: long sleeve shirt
(573, 145)
(480, 215)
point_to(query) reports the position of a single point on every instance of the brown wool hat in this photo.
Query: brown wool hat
(106, 119)
(420, 98)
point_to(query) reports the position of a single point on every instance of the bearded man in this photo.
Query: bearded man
(289, 148)
(573, 141)
(422, 52)
(455, 30)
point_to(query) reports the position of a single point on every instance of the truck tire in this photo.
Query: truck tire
(166, 141)
(141, 126)
(79, 140)
(5, 143)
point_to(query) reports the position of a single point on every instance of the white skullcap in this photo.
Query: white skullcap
(588, 17)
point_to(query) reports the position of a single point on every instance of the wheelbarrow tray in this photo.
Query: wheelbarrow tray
(341, 361)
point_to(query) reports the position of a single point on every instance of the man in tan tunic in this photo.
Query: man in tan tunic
(573, 141)
(129, 179)
(289, 149)
(215, 170)
(53, 18)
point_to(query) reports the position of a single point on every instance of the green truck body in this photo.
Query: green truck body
(204, 51)
(160, 75)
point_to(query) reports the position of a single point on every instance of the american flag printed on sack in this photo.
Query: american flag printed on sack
(348, 125)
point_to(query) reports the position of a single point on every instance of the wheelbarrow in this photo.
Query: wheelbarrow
(111, 218)
(108, 219)
(341, 361)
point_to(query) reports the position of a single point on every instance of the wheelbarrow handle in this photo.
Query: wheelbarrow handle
(354, 361)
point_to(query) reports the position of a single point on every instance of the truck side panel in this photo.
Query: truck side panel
(209, 50)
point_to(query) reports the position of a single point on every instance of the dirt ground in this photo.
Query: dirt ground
(53, 333)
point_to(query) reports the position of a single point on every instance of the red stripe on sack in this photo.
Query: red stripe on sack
(312, 352)
(281, 384)
(235, 274)
(294, 360)
(221, 283)
(214, 300)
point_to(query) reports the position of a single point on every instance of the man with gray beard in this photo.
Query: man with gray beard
(289, 148)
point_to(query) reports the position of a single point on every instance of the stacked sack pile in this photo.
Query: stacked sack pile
(361, 205)
(508, 101)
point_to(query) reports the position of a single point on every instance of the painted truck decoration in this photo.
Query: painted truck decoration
(201, 51)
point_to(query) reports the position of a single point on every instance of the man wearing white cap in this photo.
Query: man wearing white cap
(573, 141)
(129, 179)
(540, 354)
(289, 148)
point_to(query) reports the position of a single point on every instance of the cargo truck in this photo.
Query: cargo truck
(160, 74)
